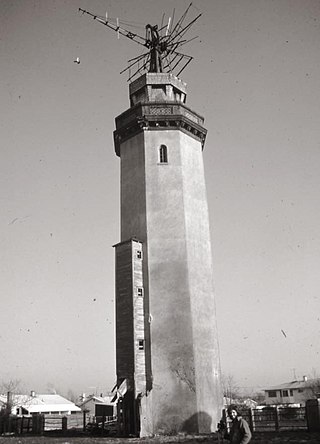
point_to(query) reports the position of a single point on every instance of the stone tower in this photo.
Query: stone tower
(167, 354)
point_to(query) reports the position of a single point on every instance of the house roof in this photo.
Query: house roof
(105, 400)
(43, 403)
(293, 385)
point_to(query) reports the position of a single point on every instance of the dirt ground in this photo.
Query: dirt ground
(258, 438)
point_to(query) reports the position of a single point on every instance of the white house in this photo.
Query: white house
(99, 406)
(40, 403)
(294, 392)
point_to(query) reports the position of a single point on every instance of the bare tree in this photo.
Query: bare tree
(230, 388)
(52, 388)
(259, 397)
(315, 387)
(10, 389)
(315, 383)
(12, 386)
(71, 396)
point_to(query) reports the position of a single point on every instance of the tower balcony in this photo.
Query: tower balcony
(158, 116)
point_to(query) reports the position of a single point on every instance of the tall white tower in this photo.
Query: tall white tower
(166, 336)
(168, 370)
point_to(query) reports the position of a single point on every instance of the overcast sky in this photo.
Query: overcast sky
(255, 78)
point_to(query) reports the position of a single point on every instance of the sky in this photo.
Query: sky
(255, 78)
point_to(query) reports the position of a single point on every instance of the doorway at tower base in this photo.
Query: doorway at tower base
(128, 415)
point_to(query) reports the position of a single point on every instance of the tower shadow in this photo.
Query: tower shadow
(200, 421)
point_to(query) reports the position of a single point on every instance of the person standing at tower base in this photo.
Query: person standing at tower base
(240, 431)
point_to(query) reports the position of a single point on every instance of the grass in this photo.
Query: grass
(258, 438)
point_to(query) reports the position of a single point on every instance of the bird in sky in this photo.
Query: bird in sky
(77, 60)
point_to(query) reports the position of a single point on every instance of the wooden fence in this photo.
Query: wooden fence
(266, 419)
(10, 424)
(58, 422)
(270, 419)
(37, 424)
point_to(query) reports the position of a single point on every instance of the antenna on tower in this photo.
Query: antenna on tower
(163, 45)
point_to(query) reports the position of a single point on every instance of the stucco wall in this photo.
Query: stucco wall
(205, 340)
(164, 205)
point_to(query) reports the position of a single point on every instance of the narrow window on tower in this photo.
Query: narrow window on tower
(163, 154)
(141, 344)
(140, 291)
(139, 254)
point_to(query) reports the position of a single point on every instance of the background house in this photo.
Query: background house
(99, 405)
(250, 403)
(294, 392)
(40, 403)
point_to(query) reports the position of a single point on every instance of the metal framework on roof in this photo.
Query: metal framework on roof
(163, 45)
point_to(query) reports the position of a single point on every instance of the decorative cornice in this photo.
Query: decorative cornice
(152, 116)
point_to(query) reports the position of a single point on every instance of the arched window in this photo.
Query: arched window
(163, 154)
